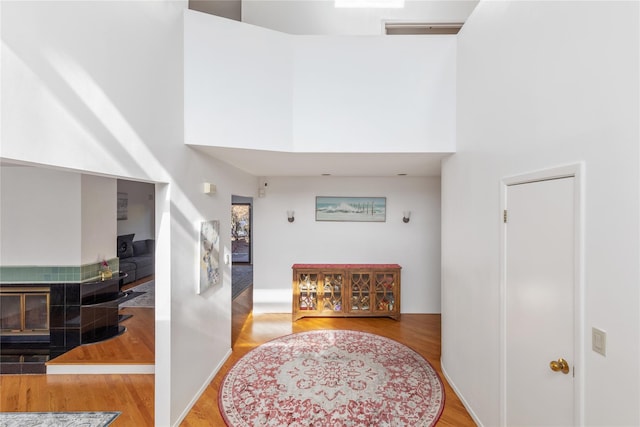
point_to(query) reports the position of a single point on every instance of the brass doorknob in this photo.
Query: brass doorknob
(559, 365)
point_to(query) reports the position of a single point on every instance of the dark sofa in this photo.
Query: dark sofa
(137, 259)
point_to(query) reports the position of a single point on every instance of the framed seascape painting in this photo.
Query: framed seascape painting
(209, 255)
(358, 209)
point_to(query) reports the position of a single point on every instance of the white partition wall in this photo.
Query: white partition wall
(40, 217)
(97, 88)
(543, 84)
(248, 87)
(374, 94)
(99, 223)
(237, 83)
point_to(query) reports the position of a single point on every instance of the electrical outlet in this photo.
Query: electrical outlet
(599, 341)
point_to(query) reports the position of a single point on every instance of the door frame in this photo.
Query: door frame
(576, 171)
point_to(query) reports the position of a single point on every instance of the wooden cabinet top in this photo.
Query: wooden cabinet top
(345, 266)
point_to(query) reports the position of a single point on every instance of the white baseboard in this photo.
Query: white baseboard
(460, 396)
(204, 386)
(101, 369)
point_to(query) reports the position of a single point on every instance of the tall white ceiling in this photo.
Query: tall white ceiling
(321, 17)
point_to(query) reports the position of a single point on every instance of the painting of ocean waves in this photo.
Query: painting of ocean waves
(370, 209)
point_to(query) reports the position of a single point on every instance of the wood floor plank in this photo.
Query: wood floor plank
(421, 332)
(130, 394)
(240, 311)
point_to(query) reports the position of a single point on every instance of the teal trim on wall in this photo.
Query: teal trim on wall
(54, 274)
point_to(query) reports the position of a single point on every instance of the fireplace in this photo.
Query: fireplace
(62, 315)
(24, 311)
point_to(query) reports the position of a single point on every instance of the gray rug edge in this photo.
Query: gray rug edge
(145, 298)
(109, 416)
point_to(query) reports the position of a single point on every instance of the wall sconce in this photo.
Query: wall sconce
(406, 216)
(209, 188)
(290, 216)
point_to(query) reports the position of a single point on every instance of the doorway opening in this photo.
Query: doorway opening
(241, 233)
(49, 313)
(134, 213)
(242, 263)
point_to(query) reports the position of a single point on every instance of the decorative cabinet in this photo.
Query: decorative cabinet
(346, 290)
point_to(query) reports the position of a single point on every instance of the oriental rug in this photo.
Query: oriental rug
(332, 378)
(57, 419)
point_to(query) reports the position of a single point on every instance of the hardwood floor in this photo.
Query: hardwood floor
(130, 394)
(241, 308)
(418, 331)
(135, 347)
(133, 395)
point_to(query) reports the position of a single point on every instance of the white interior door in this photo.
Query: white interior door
(539, 296)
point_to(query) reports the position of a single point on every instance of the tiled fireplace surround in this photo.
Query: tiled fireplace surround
(65, 313)
(53, 274)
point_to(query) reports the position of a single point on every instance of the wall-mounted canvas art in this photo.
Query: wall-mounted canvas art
(122, 206)
(362, 209)
(209, 255)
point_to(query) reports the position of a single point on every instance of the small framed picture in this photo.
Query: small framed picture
(122, 206)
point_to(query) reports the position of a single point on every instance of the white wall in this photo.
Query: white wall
(78, 94)
(322, 17)
(238, 89)
(141, 210)
(55, 218)
(374, 94)
(279, 244)
(98, 207)
(40, 217)
(542, 84)
(318, 93)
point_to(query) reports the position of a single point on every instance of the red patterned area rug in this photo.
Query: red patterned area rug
(332, 378)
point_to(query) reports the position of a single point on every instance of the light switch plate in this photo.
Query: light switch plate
(599, 341)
